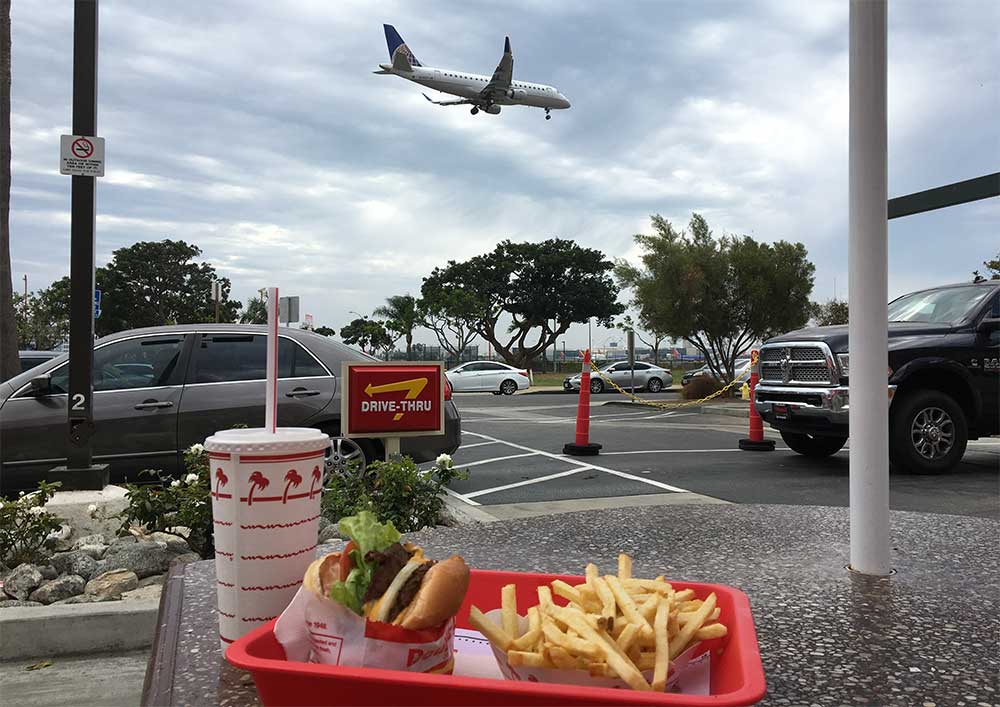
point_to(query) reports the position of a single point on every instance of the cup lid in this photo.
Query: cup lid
(284, 440)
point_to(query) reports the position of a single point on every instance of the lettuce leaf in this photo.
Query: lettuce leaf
(368, 534)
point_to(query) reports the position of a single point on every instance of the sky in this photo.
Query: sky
(257, 131)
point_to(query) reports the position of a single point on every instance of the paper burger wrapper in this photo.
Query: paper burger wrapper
(316, 629)
(691, 659)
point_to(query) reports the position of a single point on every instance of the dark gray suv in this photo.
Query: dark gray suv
(157, 391)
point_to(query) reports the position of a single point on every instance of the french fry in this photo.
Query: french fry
(600, 670)
(535, 621)
(662, 664)
(688, 630)
(647, 585)
(608, 608)
(572, 594)
(624, 566)
(561, 658)
(628, 636)
(508, 611)
(710, 631)
(628, 607)
(591, 572)
(684, 616)
(527, 641)
(683, 595)
(544, 597)
(574, 644)
(528, 659)
(495, 634)
(648, 607)
(616, 660)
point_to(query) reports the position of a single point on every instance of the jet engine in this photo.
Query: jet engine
(517, 94)
(492, 110)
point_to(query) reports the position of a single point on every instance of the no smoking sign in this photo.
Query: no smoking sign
(81, 155)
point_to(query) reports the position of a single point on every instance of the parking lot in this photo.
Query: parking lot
(512, 447)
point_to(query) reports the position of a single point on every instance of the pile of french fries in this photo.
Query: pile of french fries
(613, 626)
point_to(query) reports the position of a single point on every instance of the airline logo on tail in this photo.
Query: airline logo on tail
(397, 45)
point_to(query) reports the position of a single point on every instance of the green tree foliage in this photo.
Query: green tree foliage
(402, 315)
(255, 312)
(370, 335)
(325, 331)
(830, 313)
(152, 283)
(542, 287)
(721, 294)
(43, 321)
(993, 266)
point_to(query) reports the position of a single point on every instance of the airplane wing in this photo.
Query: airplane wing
(502, 76)
(460, 102)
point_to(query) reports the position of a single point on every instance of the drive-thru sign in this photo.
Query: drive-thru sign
(392, 400)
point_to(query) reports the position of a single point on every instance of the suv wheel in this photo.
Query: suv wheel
(813, 446)
(347, 455)
(655, 385)
(927, 433)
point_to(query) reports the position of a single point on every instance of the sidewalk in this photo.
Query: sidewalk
(105, 679)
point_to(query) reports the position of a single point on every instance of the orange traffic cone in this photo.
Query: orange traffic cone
(582, 446)
(756, 441)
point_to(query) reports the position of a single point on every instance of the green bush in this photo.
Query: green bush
(24, 525)
(167, 503)
(395, 491)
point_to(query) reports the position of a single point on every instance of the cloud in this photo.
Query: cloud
(259, 133)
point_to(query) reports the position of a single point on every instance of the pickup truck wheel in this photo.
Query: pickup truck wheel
(813, 446)
(928, 433)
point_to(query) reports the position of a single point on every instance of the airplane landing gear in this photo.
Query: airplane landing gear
(547, 116)
(474, 110)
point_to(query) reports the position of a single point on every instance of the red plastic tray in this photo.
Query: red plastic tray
(737, 677)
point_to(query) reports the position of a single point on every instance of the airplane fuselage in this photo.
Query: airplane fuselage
(466, 85)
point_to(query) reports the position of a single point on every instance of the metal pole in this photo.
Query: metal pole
(868, 289)
(81, 264)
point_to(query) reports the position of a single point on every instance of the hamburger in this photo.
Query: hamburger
(381, 579)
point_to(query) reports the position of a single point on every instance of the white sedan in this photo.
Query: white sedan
(647, 376)
(493, 376)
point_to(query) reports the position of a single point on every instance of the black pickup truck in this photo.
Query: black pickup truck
(943, 379)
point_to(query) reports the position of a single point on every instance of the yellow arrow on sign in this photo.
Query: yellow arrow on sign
(412, 388)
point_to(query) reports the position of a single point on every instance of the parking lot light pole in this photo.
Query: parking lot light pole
(868, 289)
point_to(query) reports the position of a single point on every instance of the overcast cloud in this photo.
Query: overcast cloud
(258, 132)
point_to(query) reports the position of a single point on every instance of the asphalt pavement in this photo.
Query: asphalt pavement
(512, 447)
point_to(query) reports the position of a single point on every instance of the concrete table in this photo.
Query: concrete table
(927, 635)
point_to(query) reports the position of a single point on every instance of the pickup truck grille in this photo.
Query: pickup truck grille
(789, 365)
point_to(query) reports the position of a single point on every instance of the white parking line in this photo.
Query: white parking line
(499, 459)
(527, 482)
(460, 497)
(670, 451)
(571, 460)
(477, 444)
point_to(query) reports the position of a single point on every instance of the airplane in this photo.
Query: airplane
(483, 93)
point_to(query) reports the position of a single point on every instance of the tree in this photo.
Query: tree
(543, 286)
(653, 337)
(402, 315)
(444, 314)
(43, 321)
(370, 335)
(255, 312)
(325, 331)
(719, 294)
(155, 283)
(10, 364)
(830, 313)
(994, 268)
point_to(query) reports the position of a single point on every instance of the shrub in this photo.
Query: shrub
(701, 387)
(166, 503)
(24, 525)
(395, 491)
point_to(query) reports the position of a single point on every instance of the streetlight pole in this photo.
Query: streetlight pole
(868, 267)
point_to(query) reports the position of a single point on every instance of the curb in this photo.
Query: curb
(465, 514)
(30, 632)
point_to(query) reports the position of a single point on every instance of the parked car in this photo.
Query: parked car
(740, 366)
(493, 376)
(30, 359)
(647, 377)
(943, 379)
(157, 391)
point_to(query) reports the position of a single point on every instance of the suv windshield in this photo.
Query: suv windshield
(946, 306)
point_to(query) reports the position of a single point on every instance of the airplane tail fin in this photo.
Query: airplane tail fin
(399, 54)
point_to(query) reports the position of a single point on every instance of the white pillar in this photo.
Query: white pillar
(868, 289)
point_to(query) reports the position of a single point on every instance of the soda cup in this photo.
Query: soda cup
(266, 489)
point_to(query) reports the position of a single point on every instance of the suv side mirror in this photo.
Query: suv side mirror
(41, 385)
(988, 325)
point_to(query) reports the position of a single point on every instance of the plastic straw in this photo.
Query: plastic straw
(271, 411)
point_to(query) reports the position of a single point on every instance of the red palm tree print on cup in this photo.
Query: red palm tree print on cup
(292, 478)
(257, 480)
(316, 476)
(220, 480)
